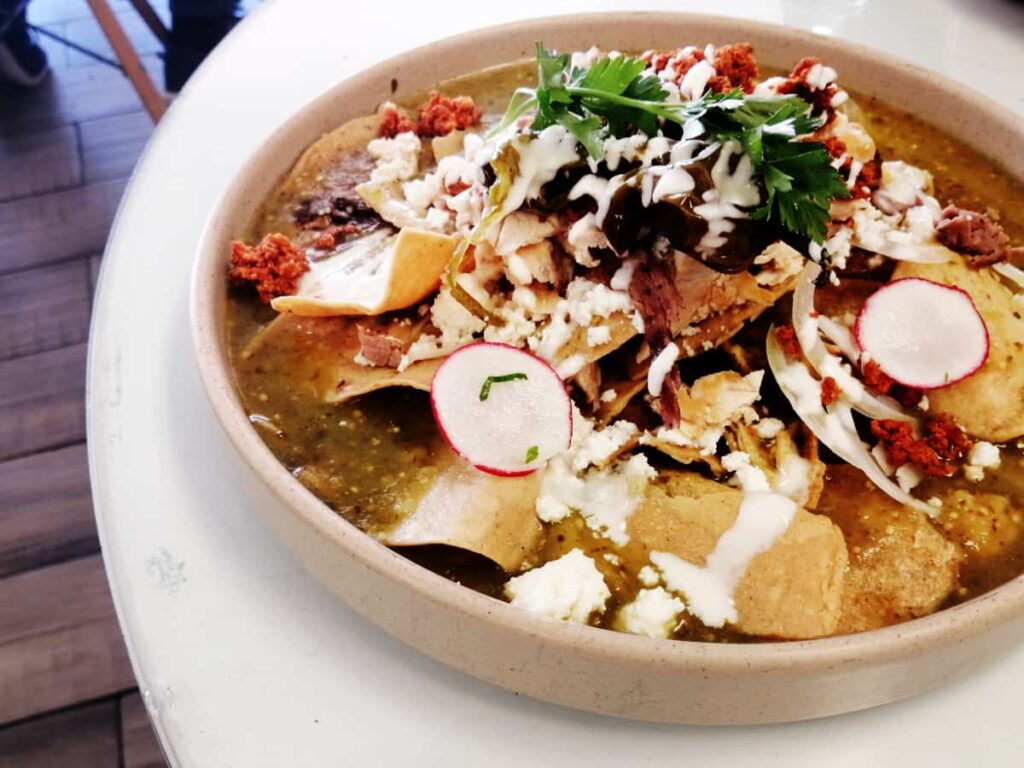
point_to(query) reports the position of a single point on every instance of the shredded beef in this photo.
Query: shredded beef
(655, 297)
(273, 266)
(981, 240)
(379, 349)
(936, 452)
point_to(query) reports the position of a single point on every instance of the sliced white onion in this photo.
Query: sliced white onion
(835, 427)
(1010, 272)
(825, 364)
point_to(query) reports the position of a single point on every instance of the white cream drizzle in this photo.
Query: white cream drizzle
(661, 365)
(763, 517)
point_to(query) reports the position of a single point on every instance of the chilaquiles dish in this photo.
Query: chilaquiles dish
(654, 343)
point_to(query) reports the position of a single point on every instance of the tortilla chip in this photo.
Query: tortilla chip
(620, 327)
(326, 348)
(493, 516)
(391, 273)
(900, 566)
(793, 590)
(625, 391)
(770, 456)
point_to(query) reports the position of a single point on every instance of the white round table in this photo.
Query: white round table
(243, 659)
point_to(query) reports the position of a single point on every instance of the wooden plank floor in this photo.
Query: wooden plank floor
(67, 694)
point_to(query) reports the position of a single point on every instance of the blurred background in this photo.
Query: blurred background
(72, 126)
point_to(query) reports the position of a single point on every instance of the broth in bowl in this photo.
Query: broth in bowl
(652, 343)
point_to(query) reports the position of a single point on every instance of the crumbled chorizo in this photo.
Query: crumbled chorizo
(735, 66)
(820, 97)
(788, 341)
(829, 391)
(393, 122)
(437, 116)
(936, 452)
(881, 383)
(273, 266)
(981, 240)
(441, 115)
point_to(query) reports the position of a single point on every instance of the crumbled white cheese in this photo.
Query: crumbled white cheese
(456, 324)
(909, 477)
(649, 577)
(749, 477)
(570, 588)
(984, 454)
(768, 428)
(654, 613)
(973, 473)
(604, 497)
(608, 396)
(598, 335)
(395, 159)
(600, 445)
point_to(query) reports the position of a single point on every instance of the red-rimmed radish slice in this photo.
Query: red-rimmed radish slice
(922, 334)
(502, 409)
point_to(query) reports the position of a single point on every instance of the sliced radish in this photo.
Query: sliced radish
(922, 334)
(502, 409)
(809, 325)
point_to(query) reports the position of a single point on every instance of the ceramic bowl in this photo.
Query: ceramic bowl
(573, 665)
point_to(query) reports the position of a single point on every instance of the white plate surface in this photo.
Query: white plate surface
(243, 658)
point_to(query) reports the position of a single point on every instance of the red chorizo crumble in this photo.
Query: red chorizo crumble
(735, 65)
(273, 266)
(393, 122)
(329, 238)
(881, 383)
(936, 453)
(870, 178)
(437, 116)
(788, 341)
(829, 391)
(820, 99)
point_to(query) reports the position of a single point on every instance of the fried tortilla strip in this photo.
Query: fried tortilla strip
(990, 403)
(685, 454)
(625, 390)
(782, 456)
(900, 566)
(375, 274)
(321, 351)
(620, 329)
(793, 590)
(493, 516)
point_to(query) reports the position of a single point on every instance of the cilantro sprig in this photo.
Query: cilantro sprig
(613, 97)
